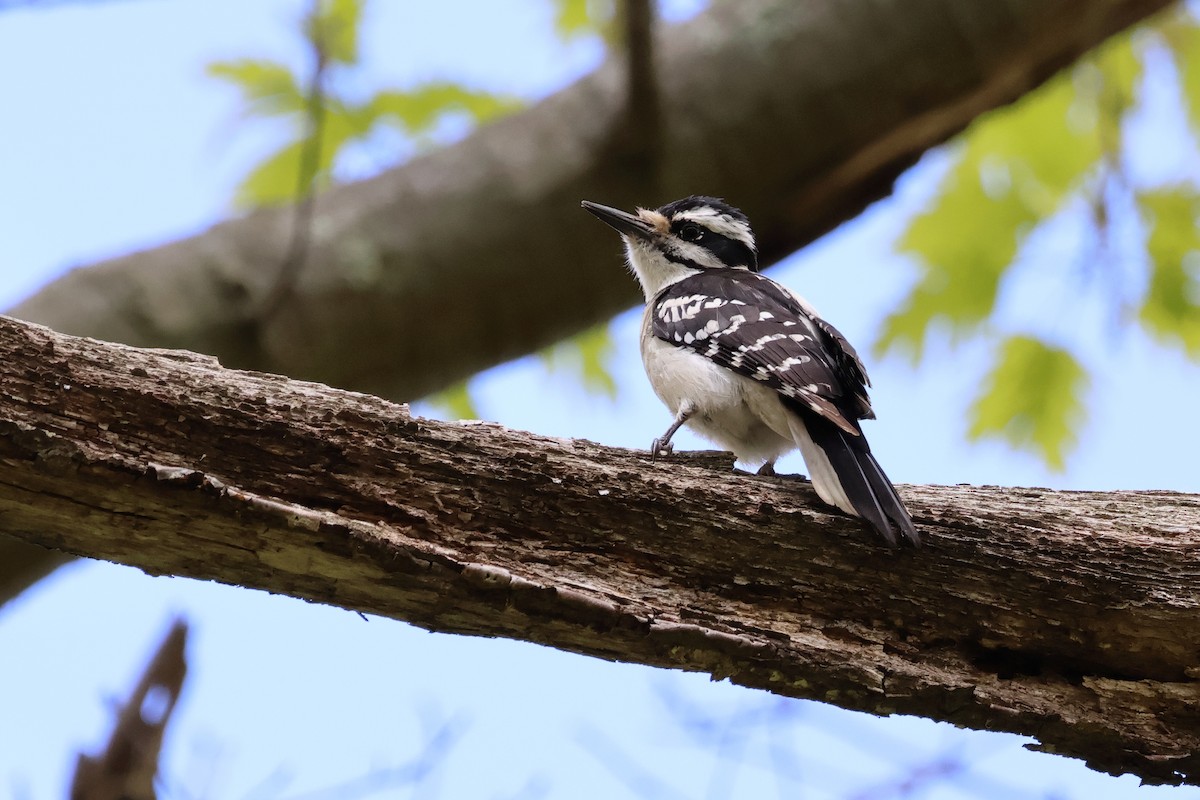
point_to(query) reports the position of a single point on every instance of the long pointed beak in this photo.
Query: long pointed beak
(626, 223)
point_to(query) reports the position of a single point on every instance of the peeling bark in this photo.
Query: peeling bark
(1068, 616)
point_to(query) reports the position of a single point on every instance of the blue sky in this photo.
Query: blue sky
(115, 141)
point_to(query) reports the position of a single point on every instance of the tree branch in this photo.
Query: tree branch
(640, 135)
(127, 767)
(801, 113)
(1068, 616)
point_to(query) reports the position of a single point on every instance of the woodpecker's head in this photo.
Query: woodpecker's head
(681, 239)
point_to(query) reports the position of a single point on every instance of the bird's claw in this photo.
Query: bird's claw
(660, 448)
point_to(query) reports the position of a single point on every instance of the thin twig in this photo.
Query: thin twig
(310, 161)
(434, 753)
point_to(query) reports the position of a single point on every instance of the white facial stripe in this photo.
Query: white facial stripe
(696, 254)
(718, 222)
(667, 259)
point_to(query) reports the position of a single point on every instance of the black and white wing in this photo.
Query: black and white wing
(751, 325)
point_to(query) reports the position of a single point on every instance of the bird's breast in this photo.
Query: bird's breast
(731, 411)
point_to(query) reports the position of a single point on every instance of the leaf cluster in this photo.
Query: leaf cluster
(331, 123)
(1060, 150)
(577, 18)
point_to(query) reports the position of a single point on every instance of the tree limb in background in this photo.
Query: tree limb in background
(768, 102)
(643, 130)
(127, 767)
(1068, 616)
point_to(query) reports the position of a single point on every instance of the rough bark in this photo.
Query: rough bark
(1068, 616)
(802, 113)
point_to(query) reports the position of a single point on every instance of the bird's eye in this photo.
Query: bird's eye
(690, 232)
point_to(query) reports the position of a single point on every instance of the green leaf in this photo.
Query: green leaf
(574, 18)
(1017, 167)
(587, 356)
(276, 180)
(455, 402)
(418, 110)
(268, 88)
(1033, 399)
(1171, 308)
(1120, 68)
(342, 123)
(1182, 35)
(333, 30)
(1105, 86)
(571, 18)
(964, 243)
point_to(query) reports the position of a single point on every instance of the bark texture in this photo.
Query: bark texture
(1067, 616)
(800, 113)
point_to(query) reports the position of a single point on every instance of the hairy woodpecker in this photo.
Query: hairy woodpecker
(746, 362)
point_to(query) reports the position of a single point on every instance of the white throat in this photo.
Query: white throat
(654, 271)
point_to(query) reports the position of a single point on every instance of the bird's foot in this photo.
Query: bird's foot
(660, 448)
(767, 469)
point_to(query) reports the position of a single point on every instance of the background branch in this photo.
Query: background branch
(642, 132)
(768, 102)
(127, 767)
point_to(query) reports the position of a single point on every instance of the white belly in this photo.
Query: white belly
(733, 412)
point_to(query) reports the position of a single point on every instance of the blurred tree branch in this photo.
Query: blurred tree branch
(1068, 616)
(803, 113)
(126, 769)
(642, 135)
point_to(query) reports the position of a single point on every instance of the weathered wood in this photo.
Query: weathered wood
(1069, 616)
(801, 113)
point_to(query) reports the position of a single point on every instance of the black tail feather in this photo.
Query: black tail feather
(863, 480)
(885, 492)
(856, 482)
